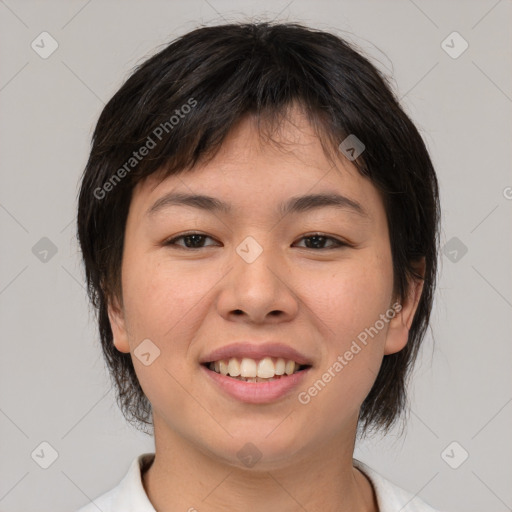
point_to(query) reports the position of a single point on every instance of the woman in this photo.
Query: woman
(259, 225)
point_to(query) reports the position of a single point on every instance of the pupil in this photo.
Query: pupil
(316, 239)
(195, 238)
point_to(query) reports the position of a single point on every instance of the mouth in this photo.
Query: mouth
(256, 373)
(246, 369)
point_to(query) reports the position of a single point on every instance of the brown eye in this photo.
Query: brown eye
(190, 241)
(318, 241)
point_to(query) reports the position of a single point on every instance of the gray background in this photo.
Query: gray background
(53, 383)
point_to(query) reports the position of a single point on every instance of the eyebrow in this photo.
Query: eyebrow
(299, 204)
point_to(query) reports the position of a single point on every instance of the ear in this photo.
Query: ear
(117, 324)
(399, 326)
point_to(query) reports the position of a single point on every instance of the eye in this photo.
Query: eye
(196, 241)
(317, 241)
(191, 240)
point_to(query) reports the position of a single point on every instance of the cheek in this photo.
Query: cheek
(351, 298)
(161, 304)
(162, 300)
(350, 304)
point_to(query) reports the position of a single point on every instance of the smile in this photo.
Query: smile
(252, 370)
(247, 369)
(255, 381)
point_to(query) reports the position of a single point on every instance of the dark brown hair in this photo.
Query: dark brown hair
(182, 102)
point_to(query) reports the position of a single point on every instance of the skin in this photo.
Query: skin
(191, 301)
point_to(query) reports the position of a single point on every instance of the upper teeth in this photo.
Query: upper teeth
(247, 367)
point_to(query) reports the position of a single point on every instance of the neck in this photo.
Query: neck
(185, 478)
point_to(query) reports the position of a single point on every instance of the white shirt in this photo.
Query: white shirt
(129, 495)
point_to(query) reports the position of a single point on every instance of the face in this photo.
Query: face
(312, 283)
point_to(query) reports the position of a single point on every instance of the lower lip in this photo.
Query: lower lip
(257, 392)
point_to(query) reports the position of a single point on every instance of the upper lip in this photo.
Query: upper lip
(256, 351)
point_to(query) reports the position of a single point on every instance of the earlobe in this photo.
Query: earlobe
(399, 326)
(117, 324)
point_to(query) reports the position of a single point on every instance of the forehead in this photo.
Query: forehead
(265, 168)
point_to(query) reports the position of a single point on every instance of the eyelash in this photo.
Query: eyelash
(339, 243)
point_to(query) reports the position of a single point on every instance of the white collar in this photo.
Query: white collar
(390, 497)
(129, 495)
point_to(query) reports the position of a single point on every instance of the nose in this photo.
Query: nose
(259, 290)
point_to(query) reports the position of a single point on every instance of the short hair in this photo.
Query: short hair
(183, 101)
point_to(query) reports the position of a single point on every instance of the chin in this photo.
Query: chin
(258, 450)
